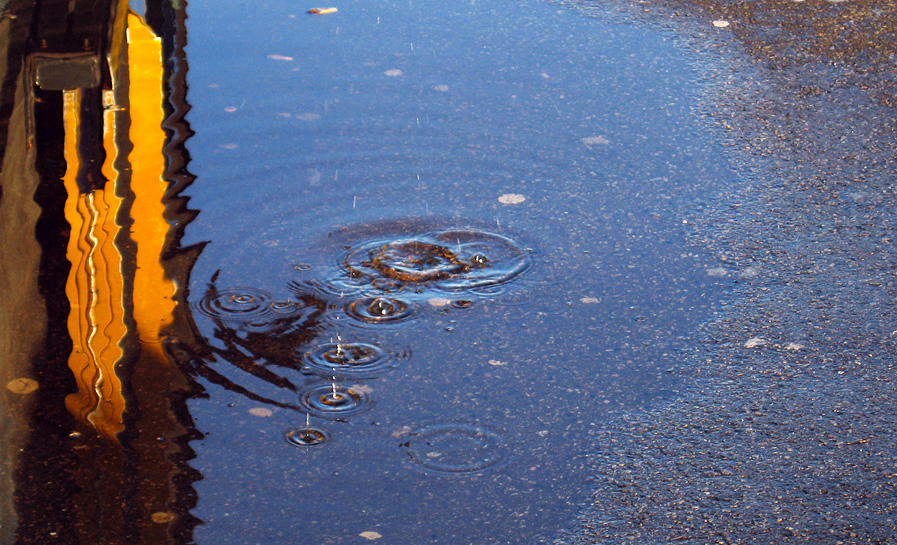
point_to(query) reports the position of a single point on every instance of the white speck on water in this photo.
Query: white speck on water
(393, 72)
(717, 272)
(755, 342)
(308, 117)
(441, 88)
(280, 58)
(497, 363)
(589, 300)
(719, 23)
(794, 346)
(595, 140)
(511, 198)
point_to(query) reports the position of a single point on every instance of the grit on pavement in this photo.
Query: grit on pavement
(785, 432)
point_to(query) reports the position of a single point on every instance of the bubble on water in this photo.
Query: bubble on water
(379, 309)
(235, 304)
(306, 437)
(333, 401)
(347, 360)
(454, 448)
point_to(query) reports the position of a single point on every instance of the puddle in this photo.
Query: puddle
(436, 244)
(485, 203)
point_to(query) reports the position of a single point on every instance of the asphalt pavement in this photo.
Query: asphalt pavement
(785, 430)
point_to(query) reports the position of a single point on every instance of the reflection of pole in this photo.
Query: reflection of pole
(94, 287)
(121, 296)
(87, 143)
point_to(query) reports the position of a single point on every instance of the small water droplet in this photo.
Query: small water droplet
(306, 437)
(333, 401)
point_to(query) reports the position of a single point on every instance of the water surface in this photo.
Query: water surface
(484, 199)
(410, 255)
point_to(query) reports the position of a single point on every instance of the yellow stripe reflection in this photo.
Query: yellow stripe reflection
(153, 292)
(94, 289)
(95, 284)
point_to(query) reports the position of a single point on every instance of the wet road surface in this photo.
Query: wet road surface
(786, 435)
(480, 273)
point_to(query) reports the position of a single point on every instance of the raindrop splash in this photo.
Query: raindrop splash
(333, 401)
(306, 437)
(448, 260)
(235, 304)
(454, 448)
(347, 360)
(379, 309)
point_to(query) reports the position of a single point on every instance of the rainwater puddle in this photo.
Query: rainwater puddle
(436, 244)
(478, 208)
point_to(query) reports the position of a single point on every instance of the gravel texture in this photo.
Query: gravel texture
(786, 432)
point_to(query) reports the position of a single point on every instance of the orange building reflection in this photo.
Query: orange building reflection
(95, 142)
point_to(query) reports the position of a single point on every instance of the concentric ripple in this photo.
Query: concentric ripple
(454, 448)
(452, 259)
(332, 401)
(235, 304)
(306, 437)
(379, 309)
(347, 360)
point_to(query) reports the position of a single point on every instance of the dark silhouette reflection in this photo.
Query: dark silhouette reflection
(255, 335)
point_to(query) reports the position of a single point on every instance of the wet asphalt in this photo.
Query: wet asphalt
(786, 434)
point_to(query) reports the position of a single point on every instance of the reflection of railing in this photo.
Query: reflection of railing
(95, 285)
(96, 288)
(131, 426)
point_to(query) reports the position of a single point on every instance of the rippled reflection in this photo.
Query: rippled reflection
(89, 106)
